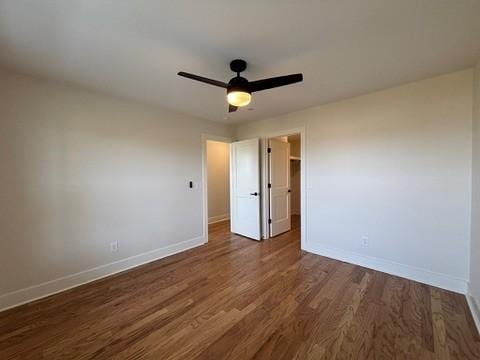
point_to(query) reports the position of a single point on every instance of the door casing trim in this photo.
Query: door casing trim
(303, 180)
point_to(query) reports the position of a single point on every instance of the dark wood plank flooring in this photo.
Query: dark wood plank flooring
(240, 299)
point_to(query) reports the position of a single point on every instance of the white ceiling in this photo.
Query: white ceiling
(135, 48)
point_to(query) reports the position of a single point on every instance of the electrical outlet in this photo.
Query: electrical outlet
(365, 240)
(114, 246)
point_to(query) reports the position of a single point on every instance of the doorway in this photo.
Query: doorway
(216, 182)
(249, 175)
(284, 183)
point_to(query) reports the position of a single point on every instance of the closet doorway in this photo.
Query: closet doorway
(284, 183)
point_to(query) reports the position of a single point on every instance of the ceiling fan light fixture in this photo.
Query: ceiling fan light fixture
(239, 98)
(239, 89)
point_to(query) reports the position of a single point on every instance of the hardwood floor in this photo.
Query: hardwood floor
(240, 299)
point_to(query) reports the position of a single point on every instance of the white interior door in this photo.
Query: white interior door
(245, 188)
(279, 186)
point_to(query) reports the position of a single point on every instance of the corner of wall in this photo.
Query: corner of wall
(473, 296)
(474, 305)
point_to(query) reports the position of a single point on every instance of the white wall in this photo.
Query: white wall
(80, 170)
(475, 248)
(218, 170)
(395, 166)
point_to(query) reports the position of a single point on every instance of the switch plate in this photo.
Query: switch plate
(365, 240)
(114, 246)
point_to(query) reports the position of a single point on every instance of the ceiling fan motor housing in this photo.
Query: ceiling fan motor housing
(238, 83)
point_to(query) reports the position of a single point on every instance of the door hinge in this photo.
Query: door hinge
(269, 186)
(269, 221)
(269, 150)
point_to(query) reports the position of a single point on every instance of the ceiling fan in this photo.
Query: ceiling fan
(239, 89)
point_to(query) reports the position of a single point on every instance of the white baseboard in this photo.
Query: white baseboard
(48, 288)
(390, 267)
(474, 305)
(218, 218)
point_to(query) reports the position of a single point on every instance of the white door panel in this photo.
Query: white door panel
(279, 180)
(245, 188)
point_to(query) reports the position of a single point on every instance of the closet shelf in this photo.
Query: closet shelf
(296, 158)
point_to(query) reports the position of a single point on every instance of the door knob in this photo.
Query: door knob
(254, 194)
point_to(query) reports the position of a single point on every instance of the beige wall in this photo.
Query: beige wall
(475, 247)
(295, 186)
(394, 166)
(295, 150)
(218, 163)
(80, 170)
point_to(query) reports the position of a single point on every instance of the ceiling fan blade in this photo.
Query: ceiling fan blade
(271, 83)
(203, 79)
(232, 108)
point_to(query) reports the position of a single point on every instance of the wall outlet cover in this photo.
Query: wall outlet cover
(114, 246)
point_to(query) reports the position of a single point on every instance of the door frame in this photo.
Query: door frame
(205, 138)
(303, 180)
(264, 204)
